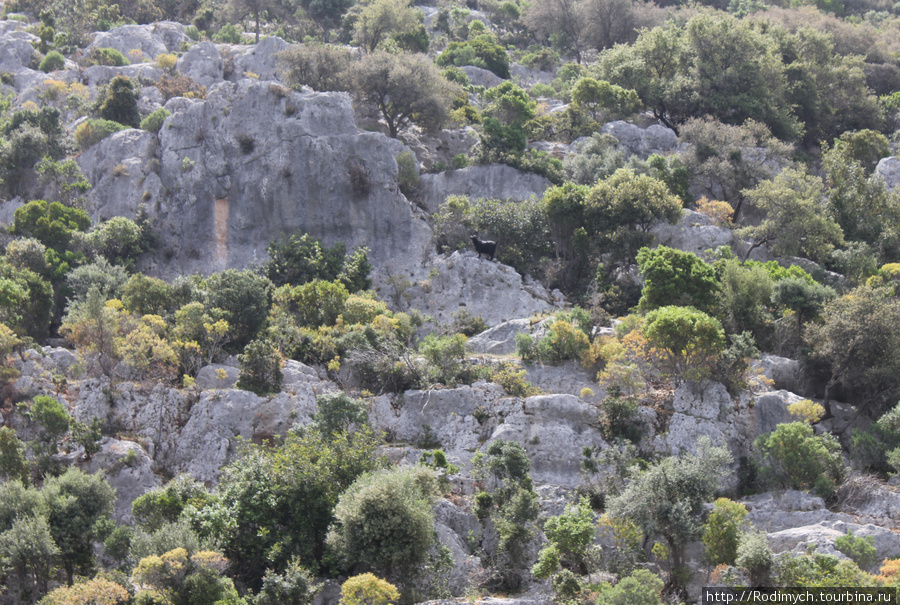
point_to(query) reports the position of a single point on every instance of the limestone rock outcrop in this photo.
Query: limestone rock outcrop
(250, 162)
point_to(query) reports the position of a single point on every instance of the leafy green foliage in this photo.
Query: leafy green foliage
(722, 531)
(280, 500)
(154, 121)
(480, 51)
(859, 548)
(51, 223)
(260, 368)
(687, 341)
(109, 56)
(384, 520)
(52, 61)
(642, 587)
(91, 132)
(794, 456)
(12, 456)
(165, 504)
(793, 202)
(338, 412)
(619, 417)
(755, 555)
(563, 340)
(296, 586)
(298, 258)
(674, 277)
(570, 534)
(368, 589)
(187, 579)
(120, 103)
(28, 553)
(668, 497)
(511, 503)
(244, 298)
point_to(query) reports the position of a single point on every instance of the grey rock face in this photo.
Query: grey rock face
(252, 161)
(16, 52)
(207, 440)
(770, 410)
(693, 233)
(128, 470)
(642, 142)
(786, 374)
(259, 59)
(480, 286)
(889, 170)
(95, 75)
(202, 63)
(121, 169)
(568, 378)
(501, 339)
(216, 376)
(151, 40)
(482, 77)
(495, 181)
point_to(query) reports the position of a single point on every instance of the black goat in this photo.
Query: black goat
(484, 247)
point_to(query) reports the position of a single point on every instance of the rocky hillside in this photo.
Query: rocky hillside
(261, 321)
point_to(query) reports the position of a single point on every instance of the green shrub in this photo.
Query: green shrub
(339, 412)
(260, 368)
(640, 588)
(794, 456)
(384, 520)
(91, 132)
(154, 121)
(120, 103)
(407, 173)
(722, 531)
(675, 277)
(619, 417)
(368, 589)
(859, 548)
(228, 34)
(446, 360)
(51, 62)
(562, 341)
(295, 586)
(109, 56)
(688, 342)
(481, 51)
(755, 555)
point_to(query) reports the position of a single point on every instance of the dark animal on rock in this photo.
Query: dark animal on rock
(488, 248)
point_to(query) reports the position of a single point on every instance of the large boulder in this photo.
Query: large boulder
(500, 339)
(258, 60)
(152, 39)
(641, 142)
(208, 439)
(478, 76)
(889, 170)
(694, 232)
(128, 469)
(203, 64)
(771, 409)
(482, 287)
(17, 53)
(787, 374)
(123, 171)
(252, 161)
(497, 181)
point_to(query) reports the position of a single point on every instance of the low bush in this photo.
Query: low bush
(154, 121)
(109, 56)
(51, 62)
(91, 132)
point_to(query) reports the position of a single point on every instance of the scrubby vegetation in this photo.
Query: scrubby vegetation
(778, 115)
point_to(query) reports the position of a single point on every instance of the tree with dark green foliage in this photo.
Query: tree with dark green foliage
(667, 499)
(12, 456)
(794, 456)
(688, 342)
(384, 520)
(675, 277)
(722, 531)
(27, 551)
(858, 342)
(51, 223)
(405, 89)
(281, 499)
(509, 109)
(481, 51)
(642, 587)
(260, 368)
(296, 586)
(120, 103)
(297, 258)
(338, 412)
(165, 504)
(797, 221)
(510, 501)
(626, 206)
(805, 299)
(75, 503)
(245, 298)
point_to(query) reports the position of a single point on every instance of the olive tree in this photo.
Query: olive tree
(667, 499)
(405, 89)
